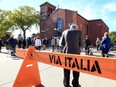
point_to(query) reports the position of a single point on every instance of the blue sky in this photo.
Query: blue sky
(89, 9)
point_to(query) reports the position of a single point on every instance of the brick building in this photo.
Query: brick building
(53, 21)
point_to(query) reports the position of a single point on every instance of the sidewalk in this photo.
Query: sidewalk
(51, 76)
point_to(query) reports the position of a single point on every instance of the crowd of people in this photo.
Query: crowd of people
(54, 44)
(104, 45)
(40, 44)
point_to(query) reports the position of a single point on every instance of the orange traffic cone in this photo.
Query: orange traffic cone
(28, 75)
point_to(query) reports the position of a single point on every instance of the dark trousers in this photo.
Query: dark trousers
(97, 46)
(87, 50)
(75, 81)
(105, 53)
(53, 47)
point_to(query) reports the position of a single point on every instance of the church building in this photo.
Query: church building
(53, 21)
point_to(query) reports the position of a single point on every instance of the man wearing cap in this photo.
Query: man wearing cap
(71, 42)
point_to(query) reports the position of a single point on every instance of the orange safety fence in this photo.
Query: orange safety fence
(29, 72)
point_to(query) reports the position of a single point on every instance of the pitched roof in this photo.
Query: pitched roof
(97, 20)
(47, 3)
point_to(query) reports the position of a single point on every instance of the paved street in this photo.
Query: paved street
(50, 76)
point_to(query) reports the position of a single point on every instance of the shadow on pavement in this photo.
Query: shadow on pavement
(4, 52)
(15, 58)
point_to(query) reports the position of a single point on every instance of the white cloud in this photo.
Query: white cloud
(113, 22)
(67, 4)
(110, 7)
(107, 9)
(89, 12)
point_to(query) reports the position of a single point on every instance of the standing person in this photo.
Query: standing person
(0, 44)
(53, 43)
(106, 44)
(44, 43)
(60, 46)
(7, 45)
(98, 43)
(71, 42)
(57, 43)
(12, 44)
(87, 44)
(38, 43)
(20, 43)
(23, 43)
(29, 42)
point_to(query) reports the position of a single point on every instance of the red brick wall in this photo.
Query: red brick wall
(68, 18)
(47, 27)
(96, 29)
(82, 24)
(104, 29)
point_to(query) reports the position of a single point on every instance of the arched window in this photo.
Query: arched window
(59, 24)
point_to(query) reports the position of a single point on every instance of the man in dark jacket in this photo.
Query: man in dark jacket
(29, 42)
(71, 41)
(12, 43)
(87, 44)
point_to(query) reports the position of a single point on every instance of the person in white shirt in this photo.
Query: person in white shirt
(98, 43)
(38, 43)
(60, 46)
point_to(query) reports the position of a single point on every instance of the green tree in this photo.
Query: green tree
(113, 37)
(5, 23)
(24, 18)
